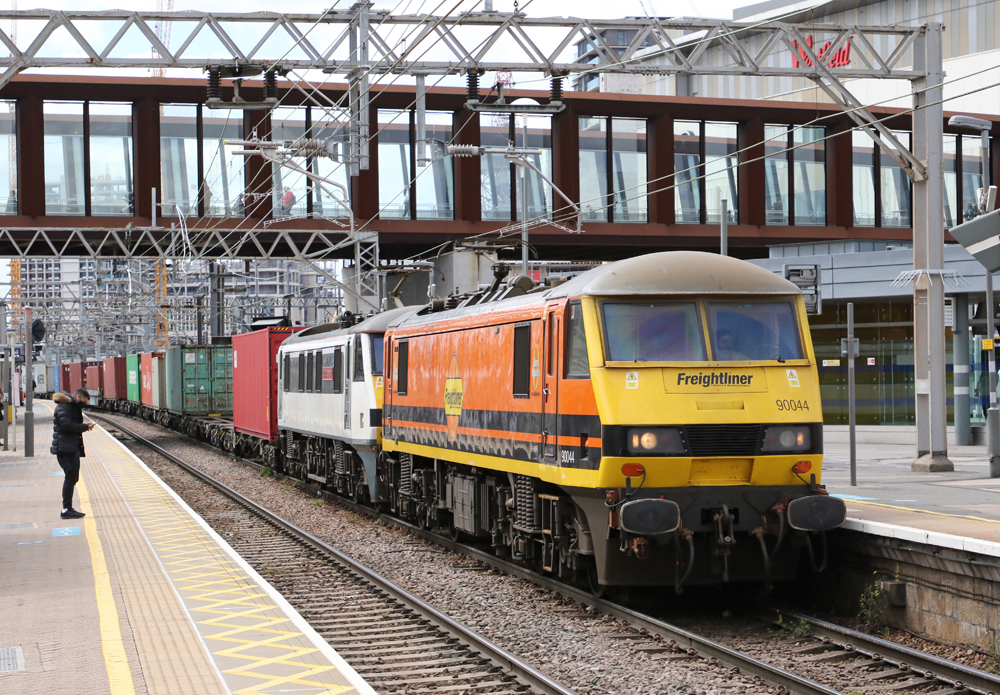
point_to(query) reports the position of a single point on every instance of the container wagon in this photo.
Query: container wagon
(133, 386)
(95, 382)
(76, 376)
(152, 368)
(62, 383)
(255, 391)
(115, 382)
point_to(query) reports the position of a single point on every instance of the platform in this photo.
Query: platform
(958, 510)
(141, 596)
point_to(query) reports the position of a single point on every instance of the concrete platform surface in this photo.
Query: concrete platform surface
(964, 503)
(140, 597)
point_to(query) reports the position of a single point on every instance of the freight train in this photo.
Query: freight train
(655, 421)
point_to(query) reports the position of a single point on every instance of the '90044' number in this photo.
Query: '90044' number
(786, 404)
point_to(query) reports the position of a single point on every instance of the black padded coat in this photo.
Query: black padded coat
(67, 426)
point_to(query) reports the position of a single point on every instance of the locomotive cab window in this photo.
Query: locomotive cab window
(522, 360)
(756, 330)
(377, 343)
(577, 360)
(402, 359)
(359, 364)
(648, 332)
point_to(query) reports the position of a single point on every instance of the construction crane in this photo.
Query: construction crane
(162, 29)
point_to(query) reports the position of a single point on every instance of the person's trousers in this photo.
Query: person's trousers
(70, 463)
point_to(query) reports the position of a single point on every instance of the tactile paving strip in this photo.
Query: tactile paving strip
(253, 641)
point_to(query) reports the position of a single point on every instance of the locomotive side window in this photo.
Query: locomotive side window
(310, 371)
(318, 373)
(338, 370)
(301, 367)
(577, 360)
(378, 343)
(754, 331)
(522, 360)
(653, 332)
(286, 374)
(293, 373)
(327, 371)
(401, 366)
(359, 364)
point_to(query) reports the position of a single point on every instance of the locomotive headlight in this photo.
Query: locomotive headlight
(784, 438)
(654, 440)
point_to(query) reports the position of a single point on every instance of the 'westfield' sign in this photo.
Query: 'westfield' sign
(841, 58)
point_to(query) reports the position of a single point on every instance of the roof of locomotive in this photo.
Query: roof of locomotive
(675, 272)
(664, 273)
(375, 324)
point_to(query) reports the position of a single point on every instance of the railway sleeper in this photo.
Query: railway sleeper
(471, 660)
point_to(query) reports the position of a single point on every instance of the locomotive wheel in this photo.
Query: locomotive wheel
(453, 531)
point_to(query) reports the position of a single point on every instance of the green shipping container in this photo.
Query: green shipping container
(133, 380)
(222, 379)
(189, 380)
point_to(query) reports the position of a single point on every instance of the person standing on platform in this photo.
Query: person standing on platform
(67, 443)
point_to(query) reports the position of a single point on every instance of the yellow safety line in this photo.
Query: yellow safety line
(926, 511)
(119, 672)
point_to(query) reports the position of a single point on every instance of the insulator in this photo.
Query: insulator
(214, 83)
(463, 150)
(270, 87)
(311, 148)
(557, 88)
(474, 85)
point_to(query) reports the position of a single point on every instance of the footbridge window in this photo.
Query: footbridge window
(502, 180)
(705, 172)
(795, 179)
(613, 169)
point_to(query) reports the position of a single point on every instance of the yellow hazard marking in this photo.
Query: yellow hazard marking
(926, 511)
(247, 634)
(119, 672)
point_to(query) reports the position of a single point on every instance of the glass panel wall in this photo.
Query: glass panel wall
(594, 169)
(951, 208)
(495, 171)
(290, 188)
(111, 184)
(972, 175)
(720, 171)
(65, 192)
(8, 150)
(224, 171)
(863, 179)
(809, 156)
(895, 188)
(539, 191)
(628, 148)
(776, 174)
(687, 169)
(394, 176)
(436, 182)
(179, 160)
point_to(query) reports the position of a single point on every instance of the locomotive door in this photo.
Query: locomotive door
(550, 386)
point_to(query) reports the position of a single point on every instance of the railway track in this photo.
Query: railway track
(394, 640)
(881, 665)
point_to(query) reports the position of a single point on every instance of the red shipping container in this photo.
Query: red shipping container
(152, 370)
(95, 378)
(64, 378)
(77, 377)
(115, 379)
(255, 381)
